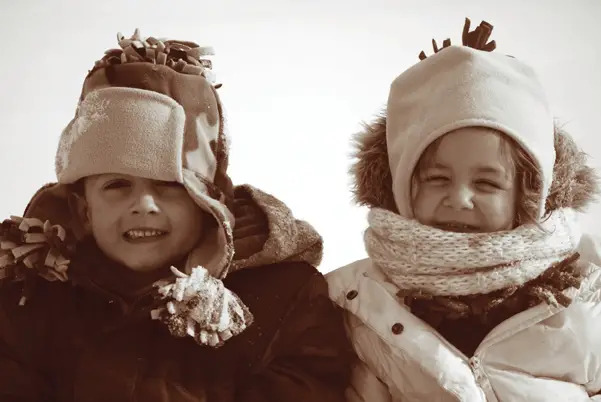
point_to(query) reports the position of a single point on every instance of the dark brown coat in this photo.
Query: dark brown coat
(92, 339)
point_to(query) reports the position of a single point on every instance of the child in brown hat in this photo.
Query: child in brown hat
(144, 274)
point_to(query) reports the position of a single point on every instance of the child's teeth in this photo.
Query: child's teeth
(134, 234)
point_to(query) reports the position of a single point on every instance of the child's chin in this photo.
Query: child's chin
(145, 263)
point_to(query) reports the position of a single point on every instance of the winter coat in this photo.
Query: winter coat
(85, 342)
(542, 354)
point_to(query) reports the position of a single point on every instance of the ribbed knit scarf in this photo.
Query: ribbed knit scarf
(422, 258)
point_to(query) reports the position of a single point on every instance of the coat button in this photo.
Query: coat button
(352, 294)
(397, 328)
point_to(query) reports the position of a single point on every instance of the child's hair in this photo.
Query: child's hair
(78, 188)
(527, 176)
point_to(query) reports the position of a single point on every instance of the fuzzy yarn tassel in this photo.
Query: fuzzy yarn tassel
(182, 56)
(30, 247)
(200, 306)
(476, 39)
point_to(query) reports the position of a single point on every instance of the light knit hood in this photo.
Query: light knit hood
(460, 87)
(419, 111)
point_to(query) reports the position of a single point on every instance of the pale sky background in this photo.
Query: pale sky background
(299, 77)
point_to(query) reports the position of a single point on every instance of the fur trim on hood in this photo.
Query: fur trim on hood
(574, 184)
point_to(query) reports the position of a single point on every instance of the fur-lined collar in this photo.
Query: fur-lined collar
(266, 232)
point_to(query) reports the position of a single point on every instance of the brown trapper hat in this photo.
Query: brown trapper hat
(150, 109)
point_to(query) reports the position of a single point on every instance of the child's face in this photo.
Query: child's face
(467, 184)
(141, 223)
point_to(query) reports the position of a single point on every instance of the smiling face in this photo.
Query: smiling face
(466, 183)
(141, 223)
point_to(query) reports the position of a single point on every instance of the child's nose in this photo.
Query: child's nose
(460, 197)
(145, 204)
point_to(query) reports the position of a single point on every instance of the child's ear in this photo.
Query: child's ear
(79, 209)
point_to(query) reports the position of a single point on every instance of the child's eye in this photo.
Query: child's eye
(436, 179)
(169, 184)
(169, 188)
(488, 185)
(116, 185)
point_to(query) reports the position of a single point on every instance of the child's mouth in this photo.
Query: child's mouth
(143, 235)
(456, 227)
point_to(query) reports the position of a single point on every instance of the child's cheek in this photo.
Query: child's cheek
(498, 211)
(105, 216)
(424, 204)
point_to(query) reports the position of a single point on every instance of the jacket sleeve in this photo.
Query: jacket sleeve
(20, 380)
(589, 248)
(310, 357)
(366, 387)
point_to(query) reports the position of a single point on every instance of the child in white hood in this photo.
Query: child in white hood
(474, 289)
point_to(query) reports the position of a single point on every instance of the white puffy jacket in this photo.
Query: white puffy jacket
(541, 354)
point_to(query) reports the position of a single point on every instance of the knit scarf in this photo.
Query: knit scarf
(421, 258)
